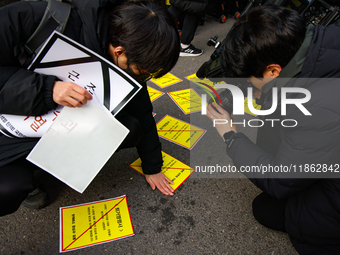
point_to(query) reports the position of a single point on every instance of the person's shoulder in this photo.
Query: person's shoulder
(24, 10)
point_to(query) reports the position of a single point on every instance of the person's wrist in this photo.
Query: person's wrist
(226, 136)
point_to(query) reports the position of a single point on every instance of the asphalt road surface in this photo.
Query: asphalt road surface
(208, 214)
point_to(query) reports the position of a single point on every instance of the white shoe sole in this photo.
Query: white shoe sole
(183, 54)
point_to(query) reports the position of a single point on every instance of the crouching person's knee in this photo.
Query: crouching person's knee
(16, 182)
(11, 197)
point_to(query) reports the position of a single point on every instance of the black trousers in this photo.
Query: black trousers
(269, 211)
(189, 23)
(17, 177)
(16, 182)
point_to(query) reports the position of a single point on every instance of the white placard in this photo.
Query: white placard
(71, 62)
(78, 144)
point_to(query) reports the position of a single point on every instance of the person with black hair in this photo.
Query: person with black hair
(139, 37)
(272, 48)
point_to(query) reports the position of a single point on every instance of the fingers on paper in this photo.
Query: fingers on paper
(161, 182)
(168, 180)
(165, 187)
(70, 94)
(83, 93)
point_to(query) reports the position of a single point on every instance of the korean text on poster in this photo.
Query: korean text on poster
(154, 93)
(70, 61)
(179, 132)
(166, 80)
(187, 100)
(172, 168)
(94, 223)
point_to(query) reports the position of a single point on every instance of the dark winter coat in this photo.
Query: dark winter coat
(313, 207)
(26, 93)
(195, 6)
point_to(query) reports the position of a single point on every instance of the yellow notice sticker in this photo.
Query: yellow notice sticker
(179, 132)
(246, 108)
(204, 83)
(154, 93)
(94, 223)
(172, 168)
(187, 100)
(166, 80)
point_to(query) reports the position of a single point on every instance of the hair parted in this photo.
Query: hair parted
(148, 33)
(265, 35)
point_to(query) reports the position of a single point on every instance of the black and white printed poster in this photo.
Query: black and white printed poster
(111, 87)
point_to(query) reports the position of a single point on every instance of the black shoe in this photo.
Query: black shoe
(190, 51)
(37, 199)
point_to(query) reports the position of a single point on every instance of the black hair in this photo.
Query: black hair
(265, 35)
(148, 33)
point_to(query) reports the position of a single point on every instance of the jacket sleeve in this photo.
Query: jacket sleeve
(149, 147)
(308, 151)
(22, 92)
(258, 166)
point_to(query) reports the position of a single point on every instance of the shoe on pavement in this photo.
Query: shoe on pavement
(190, 51)
(37, 199)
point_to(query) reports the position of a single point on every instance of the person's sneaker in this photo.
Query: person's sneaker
(37, 199)
(190, 51)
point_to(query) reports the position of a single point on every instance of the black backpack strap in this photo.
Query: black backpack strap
(55, 18)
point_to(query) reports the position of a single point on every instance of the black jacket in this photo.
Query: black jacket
(313, 207)
(27, 93)
(191, 6)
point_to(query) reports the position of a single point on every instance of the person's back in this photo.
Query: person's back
(304, 202)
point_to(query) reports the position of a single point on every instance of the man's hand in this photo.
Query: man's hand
(257, 93)
(161, 182)
(70, 94)
(222, 114)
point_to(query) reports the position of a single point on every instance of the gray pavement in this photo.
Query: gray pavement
(205, 215)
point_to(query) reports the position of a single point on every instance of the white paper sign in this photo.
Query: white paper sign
(78, 144)
(72, 62)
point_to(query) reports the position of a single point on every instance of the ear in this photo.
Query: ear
(272, 71)
(116, 51)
